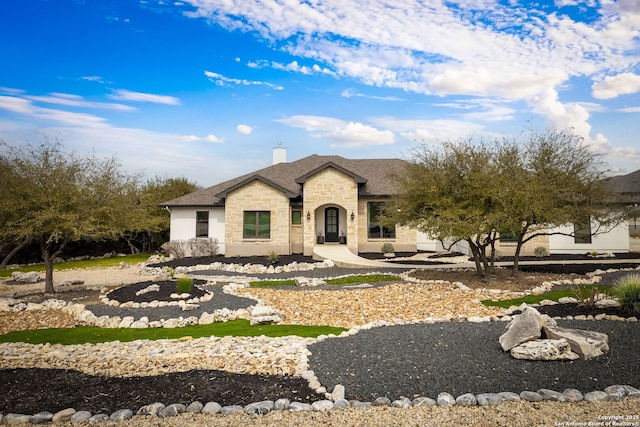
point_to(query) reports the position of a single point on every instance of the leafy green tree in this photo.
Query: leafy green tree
(552, 179)
(145, 223)
(475, 191)
(55, 197)
(443, 192)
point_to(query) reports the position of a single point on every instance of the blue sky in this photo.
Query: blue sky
(205, 89)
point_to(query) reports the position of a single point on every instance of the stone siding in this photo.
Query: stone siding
(327, 188)
(405, 240)
(257, 196)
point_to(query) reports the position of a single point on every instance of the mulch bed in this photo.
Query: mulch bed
(29, 391)
(167, 287)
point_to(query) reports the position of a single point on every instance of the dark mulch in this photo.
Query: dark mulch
(167, 287)
(460, 358)
(193, 261)
(29, 391)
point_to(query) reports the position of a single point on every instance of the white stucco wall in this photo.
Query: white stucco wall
(183, 224)
(425, 243)
(616, 240)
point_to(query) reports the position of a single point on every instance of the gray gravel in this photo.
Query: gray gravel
(463, 358)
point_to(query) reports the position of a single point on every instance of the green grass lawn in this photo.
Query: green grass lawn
(552, 295)
(92, 334)
(349, 280)
(90, 263)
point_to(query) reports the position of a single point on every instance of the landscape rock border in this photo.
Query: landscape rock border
(159, 410)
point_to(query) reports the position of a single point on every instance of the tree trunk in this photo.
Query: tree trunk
(475, 251)
(10, 255)
(49, 255)
(516, 258)
(132, 247)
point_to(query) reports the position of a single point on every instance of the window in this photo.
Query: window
(257, 225)
(582, 231)
(377, 231)
(202, 224)
(296, 217)
(508, 237)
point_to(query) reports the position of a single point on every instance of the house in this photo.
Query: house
(290, 207)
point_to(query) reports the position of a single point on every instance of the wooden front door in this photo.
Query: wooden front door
(331, 224)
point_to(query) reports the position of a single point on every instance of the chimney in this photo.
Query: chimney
(279, 154)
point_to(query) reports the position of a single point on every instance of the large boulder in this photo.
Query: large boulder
(29, 277)
(544, 350)
(588, 344)
(525, 327)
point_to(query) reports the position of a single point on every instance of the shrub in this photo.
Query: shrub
(272, 257)
(627, 289)
(387, 248)
(185, 285)
(541, 251)
(198, 247)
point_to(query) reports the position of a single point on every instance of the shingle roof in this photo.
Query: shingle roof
(373, 172)
(626, 185)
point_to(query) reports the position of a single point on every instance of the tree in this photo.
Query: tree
(56, 197)
(444, 193)
(145, 222)
(476, 191)
(553, 179)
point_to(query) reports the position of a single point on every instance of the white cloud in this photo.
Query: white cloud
(630, 110)
(429, 130)
(312, 123)
(208, 138)
(513, 50)
(244, 129)
(221, 80)
(27, 108)
(71, 100)
(93, 79)
(614, 86)
(128, 95)
(358, 135)
(350, 93)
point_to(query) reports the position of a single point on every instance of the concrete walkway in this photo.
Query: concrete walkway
(343, 257)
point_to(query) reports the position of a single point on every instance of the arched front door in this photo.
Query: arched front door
(331, 224)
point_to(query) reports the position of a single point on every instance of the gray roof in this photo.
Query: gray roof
(372, 175)
(626, 185)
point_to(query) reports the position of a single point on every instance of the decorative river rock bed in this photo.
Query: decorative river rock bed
(145, 297)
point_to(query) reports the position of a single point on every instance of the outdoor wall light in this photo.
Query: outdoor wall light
(352, 216)
(308, 215)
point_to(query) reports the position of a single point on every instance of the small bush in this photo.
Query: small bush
(185, 285)
(387, 248)
(627, 289)
(541, 251)
(199, 247)
(272, 257)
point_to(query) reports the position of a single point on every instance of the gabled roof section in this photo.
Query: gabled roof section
(627, 186)
(223, 194)
(371, 174)
(357, 178)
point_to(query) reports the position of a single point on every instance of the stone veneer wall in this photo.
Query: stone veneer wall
(257, 196)
(330, 187)
(405, 240)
